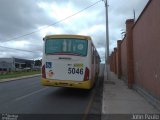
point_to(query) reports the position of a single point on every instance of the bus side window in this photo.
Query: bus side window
(92, 55)
(96, 58)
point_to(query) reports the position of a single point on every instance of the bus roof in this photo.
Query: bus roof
(68, 36)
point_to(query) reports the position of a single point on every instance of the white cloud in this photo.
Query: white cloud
(57, 11)
(50, 30)
(25, 17)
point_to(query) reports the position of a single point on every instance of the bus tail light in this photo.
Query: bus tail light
(43, 72)
(86, 75)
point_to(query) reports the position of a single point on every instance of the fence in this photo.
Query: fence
(136, 58)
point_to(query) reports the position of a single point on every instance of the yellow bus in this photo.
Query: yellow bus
(69, 61)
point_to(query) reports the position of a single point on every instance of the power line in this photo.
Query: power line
(52, 23)
(19, 49)
(45, 28)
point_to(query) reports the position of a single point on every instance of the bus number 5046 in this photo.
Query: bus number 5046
(75, 71)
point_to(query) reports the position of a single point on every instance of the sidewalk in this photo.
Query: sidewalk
(118, 99)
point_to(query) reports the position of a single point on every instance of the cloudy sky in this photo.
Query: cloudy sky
(23, 23)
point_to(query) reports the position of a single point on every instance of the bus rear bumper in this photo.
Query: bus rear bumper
(67, 83)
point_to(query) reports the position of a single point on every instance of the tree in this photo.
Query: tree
(38, 62)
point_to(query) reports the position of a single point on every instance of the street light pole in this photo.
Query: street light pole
(107, 31)
(107, 39)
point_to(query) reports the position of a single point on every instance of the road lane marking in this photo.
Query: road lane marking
(89, 105)
(22, 97)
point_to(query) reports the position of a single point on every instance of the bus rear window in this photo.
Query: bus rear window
(66, 46)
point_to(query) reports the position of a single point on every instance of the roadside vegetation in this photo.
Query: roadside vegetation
(17, 74)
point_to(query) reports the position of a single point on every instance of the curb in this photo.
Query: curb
(18, 78)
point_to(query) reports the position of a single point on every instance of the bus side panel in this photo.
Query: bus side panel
(95, 60)
(92, 64)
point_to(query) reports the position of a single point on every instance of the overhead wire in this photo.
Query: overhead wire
(27, 34)
(52, 23)
(20, 49)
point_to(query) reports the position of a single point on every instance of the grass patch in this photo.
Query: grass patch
(18, 74)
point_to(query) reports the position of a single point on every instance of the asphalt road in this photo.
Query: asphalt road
(28, 97)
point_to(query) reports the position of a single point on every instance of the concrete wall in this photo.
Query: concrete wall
(146, 42)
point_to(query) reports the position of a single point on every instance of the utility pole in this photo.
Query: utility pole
(107, 38)
(107, 31)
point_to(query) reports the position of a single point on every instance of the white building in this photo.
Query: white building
(12, 64)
